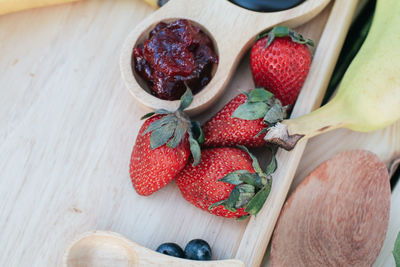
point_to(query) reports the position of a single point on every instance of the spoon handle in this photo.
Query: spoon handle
(104, 248)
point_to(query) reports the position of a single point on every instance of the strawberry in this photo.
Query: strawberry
(244, 120)
(280, 61)
(226, 182)
(163, 146)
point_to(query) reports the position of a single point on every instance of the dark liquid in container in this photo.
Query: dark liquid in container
(267, 5)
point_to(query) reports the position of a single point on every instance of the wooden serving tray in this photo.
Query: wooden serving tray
(68, 126)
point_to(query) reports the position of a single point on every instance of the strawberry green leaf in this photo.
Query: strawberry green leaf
(255, 205)
(245, 188)
(234, 177)
(218, 203)
(159, 123)
(256, 165)
(246, 193)
(232, 199)
(244, 198)
(161, 135)
(242, 218)
(261, 132)
(396, 251)
(195, 150)
(273, 164)
(197, 132)
(275, 114)
(239, 197)
(259, 95)
(177, 137)
(148, 115)
(280, 31)
(251, 111)
(298, 38)
(252, 179)
(162, 111)
(186, 99)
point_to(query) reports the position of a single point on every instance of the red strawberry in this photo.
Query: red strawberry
(280, 61)
(163, 147)
(243, 121)
(226, 183)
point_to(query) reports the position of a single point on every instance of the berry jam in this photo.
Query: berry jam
(175, 54)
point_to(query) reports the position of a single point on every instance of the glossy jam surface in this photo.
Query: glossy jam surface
(174, 54)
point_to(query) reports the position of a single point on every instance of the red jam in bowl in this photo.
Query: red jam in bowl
(174, 54)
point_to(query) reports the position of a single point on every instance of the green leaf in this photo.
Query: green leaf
(148, 115)
(234, 177)
(274, 114)
(162, 111)
(218, 203)
(251, 111)
(244, 198)
(159, 123)
(195, 150)
(262, 131)
(396, 251)
(242, 218)
(239, 196)
(259, 95)
(298, 38)
(273, 164)
(246, 192)
(255, 205)
(281, 31)
(186, 99)
(161, 135)
(245, 188)
(197, 132)
(178, 135)
(232, 199)
(255, 164)
(252, 179)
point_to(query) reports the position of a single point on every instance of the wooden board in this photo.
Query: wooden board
(385, 258)
(68, 126)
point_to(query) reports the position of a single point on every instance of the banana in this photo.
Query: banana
(8, 6)
(368, 97)
(156, 3)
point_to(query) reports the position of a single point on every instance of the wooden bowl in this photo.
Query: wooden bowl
(232, 30)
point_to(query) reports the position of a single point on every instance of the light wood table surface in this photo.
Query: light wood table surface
(67, 127)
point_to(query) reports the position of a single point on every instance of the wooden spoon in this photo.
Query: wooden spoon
(108, 249)
(232, 29)
(338, 216)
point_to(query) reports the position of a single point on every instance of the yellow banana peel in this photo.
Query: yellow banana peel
(8, 6)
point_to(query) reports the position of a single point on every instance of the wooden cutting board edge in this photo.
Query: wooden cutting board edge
(258, 232)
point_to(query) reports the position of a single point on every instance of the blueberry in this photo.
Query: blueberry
(171, 249)
(198, 249)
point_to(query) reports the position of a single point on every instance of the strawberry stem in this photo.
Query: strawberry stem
(283, 31)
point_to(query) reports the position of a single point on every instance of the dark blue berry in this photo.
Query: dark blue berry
(198, 249)
(171, 249)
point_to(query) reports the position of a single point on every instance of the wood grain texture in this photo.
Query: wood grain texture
(67, 127)
(338, 216)
(385, 143)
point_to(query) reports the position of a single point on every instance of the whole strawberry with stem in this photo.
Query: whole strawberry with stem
(163, 147)
(227, 182)
(244, 120)
(280, 61)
